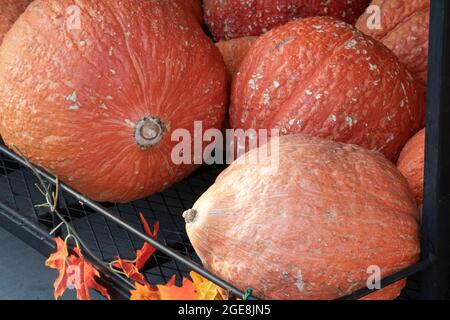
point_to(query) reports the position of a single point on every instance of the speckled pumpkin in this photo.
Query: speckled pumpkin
(404, 28)
(97, 105)
(323, 77)
(193, 6)
(234, 51)
(10, 10)
(411, 164)
(311, 230)
(229, 19)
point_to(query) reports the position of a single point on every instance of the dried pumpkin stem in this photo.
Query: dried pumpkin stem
(190, 215)
(149, 132)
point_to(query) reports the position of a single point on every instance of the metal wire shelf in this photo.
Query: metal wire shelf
(112, 230)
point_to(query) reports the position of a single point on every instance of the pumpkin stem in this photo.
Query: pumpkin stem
(149, 132)
(190, 215)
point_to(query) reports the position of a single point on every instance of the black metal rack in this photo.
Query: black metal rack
(111, 230)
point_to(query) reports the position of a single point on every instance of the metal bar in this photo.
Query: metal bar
(436, 214)
(128, 227)
(26, 230)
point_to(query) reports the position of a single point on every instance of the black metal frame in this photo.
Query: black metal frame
(434, 268)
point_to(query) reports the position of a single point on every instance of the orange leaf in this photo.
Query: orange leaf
(144, 292)
(57, 261)
(147, 250)
(84, 276)
(171, 292)
(129, 269)
(74, 272)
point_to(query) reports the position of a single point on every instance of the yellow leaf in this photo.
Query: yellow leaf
(205, 289)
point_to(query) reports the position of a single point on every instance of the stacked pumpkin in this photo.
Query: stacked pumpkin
(97, 106)
(10, 10)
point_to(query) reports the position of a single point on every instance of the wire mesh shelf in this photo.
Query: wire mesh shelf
(105, 238)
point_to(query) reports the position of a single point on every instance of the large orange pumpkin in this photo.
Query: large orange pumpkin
(10, 10)
(229, 19)
(322, 77)
(411, 164)
(313, 229)
(403, 27)
(97, 105)
(234, 51)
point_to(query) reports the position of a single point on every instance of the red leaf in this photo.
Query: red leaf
(143, 254)
(129, 269)
(57, 261)
(74, 272)
(84, 276)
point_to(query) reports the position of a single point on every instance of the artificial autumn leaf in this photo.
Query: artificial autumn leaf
(58, 261)
(85, 277)
(144, 292)
(205, 289)
(143, 254)
(74, 272)
(171, 292)
(130, 270)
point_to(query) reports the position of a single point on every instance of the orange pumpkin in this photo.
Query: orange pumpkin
(10, 10)
(229, 19)
(234, 51)
(313, 229)
(411, 164)
(97, 105)
(403, 28)
(322, 77)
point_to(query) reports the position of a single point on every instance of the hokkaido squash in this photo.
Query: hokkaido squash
(97, 105)
(404, 28)
(10, 10)
(229, 19)
(322, 77)
(234, 51)
(411, 164)
(313, 229)
(193, 6)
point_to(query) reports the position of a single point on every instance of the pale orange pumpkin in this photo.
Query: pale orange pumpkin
(234, 51)
(411, 164)
(312, 229)
(403, 27)
(10, 10)
(97, 105)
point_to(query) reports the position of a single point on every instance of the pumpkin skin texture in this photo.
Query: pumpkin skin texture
(194, 6)
(411, 164)
(97, 106)
(10, 10)
(324, 78)
(404, 30)
(230, 19)
(311, 230)
(234, 51)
